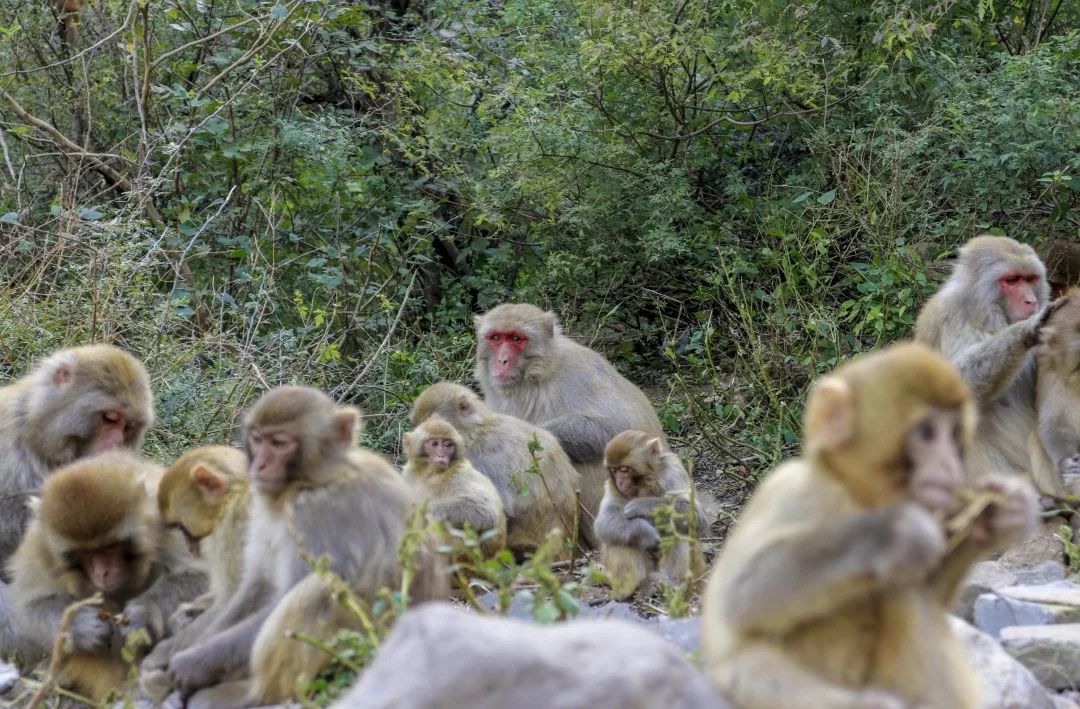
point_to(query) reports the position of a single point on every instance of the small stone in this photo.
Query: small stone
(994, 612)
(613, 610)
(984, 577)
(1047, 571)
(683, 632)
(9, 677)
(1065, 593)
(1051, 652)
(1042, 546)
(1006, 684)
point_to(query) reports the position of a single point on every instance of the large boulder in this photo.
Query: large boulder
(442, 656)
(1052, 652)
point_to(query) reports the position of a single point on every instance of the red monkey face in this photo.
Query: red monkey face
(111, 431)
(505, 349)
(1019, 290)
(440, 451)
(271, 459)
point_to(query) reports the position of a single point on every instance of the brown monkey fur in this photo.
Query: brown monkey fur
(316, 493)
(557, 384)
(96, 529)
(498, 445)
(642, 475)
(456, 492)
(968, 321)
(1055, 446)
(204, 498)
(833, 588)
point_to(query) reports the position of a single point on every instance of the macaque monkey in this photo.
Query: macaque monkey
(833, 589)
(67, 18)
(76, 402)
(527, 368)
(498, 445)
(204, 499)
(986, 320)
(644, 475)
(317, 494)
(95, 530)
(1055, 446)
(457, 492)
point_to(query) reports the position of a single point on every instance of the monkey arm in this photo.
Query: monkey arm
(40, 617)
(583, 436)
(802, 574)
(1058, 438)
(944, 584)
(990, 366)
(465, 511)
(154, 606)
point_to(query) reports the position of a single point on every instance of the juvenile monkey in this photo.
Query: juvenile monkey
(203, 499)
(643, 476)
(985, 320)
(95, 530)
(833, 588)
(316, 494)
(527, 368)
(1055, 446)
(457, 492)
(498, 445)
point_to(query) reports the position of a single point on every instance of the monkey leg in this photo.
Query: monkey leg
(229, 695)
(93, 676)
(762, 676)
(281, 662)
(627, 570)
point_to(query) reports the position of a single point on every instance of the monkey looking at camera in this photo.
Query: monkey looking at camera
(833, 588)
(317, 493)
(644, 475)
(527, 368)
(457, 493)
(95, 530)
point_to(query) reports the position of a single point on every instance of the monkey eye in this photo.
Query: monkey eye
(516, 338)
(925, 431)
(1012, 280)
(111, 416)
(493, 338)
(1033, 279)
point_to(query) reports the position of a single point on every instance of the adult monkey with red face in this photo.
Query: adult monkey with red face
(527, 368)
(986, 320)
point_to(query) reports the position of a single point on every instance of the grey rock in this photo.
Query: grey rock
(984, 577)
(9, 677)
(1006, 684)
(441, 656)
(996, 611)
(1061, 702)
(1046, 572)
(683, 632)
(613, 610)
(1051, 652)
(1063, 592)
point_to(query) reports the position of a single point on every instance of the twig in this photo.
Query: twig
(59, 652)
(343, 396)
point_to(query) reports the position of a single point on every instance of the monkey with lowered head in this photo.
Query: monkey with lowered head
(527, 368)
(1054, 446)
(95, 530)
(833, 588)
(457, 493)
(985, 320)
(498, 445)
(644, 475)
(204, 499)
(317, 493)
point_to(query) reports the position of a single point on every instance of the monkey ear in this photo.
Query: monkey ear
(62, 369)
(1048, 336)
(654, 447)
(212, 486)
(548, 323)
(464, 405)
(830, 415)
(347, 424)
(406, 441)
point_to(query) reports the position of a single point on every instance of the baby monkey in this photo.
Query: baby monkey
(457, 493)
(643, 475)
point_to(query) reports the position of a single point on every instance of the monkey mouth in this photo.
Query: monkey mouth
(273, 484)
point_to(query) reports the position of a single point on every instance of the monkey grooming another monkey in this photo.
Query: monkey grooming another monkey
(1055, 446)
(96, 531)
(457, 492)
(985, 320)
(204, 499)
(527, 368)
(643, 476)
(74, 403)
(317, 493)
(832, 591)
(498, 445)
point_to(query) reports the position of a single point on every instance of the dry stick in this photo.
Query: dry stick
(959, 526)
(577, 528)
(58, 651)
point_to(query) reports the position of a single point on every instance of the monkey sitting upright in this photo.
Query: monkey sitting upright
(643, 475)
(833, 588)
(456, 492)
(95, 530)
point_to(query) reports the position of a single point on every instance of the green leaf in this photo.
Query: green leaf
(827, 197)
(278, 12)
(10, 218)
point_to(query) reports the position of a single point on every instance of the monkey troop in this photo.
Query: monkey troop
(213, 556)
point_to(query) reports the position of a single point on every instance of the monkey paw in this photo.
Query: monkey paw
(1071, 465)
(184, 615)
(914, 544)
(640, 507)
(190, 671)
(644, 535)
(138, 616)
(89, 632)
(1009, 521)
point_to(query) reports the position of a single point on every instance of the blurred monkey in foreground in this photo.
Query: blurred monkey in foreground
(833, 589)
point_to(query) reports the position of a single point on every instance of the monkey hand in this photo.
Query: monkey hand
(1034, 324)
(913, 545)
(184, 615)
(640, 507)
(190, 671)
(1009, 521)
(89, 632)
(139, 616)
(643, 535)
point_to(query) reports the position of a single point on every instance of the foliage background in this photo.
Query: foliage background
(724, 196)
